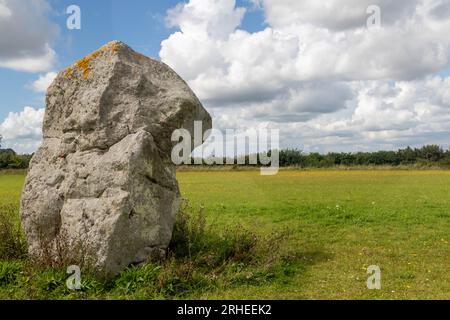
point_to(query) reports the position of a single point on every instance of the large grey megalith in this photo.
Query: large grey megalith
(103, 184)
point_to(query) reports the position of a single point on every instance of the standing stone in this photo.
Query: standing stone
(102, 186)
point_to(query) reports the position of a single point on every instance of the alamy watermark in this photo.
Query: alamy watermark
(374, 280)
(73, 282)
(74, 20)
(261, 147)
(374, 19)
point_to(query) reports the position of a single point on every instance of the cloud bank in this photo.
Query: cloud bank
(22, 131)
(317, 71)
(26, 35)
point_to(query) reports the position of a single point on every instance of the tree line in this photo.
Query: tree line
(429, 155)
(11, 160)
(426, 156)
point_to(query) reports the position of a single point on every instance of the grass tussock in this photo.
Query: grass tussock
(340, 222)
(12, 241)
(61, 251)
(201, 259)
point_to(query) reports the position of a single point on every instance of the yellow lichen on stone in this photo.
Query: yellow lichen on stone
(113, 47)
(68, 73)
(83, 65)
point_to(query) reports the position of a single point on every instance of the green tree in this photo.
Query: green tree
(432, 153)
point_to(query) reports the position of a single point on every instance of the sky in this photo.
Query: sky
(328, 74)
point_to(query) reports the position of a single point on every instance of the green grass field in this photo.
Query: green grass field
(338, 223)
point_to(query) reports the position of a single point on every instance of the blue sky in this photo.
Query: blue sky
(139, 23)
(315, 71)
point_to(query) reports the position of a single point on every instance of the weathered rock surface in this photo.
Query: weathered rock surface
(102, 184)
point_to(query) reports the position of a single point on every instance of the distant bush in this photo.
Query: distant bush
(427, 156)
(10, 160)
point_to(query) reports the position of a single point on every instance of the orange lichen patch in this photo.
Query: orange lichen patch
(112, 47)
(83, 65)
(68, 73)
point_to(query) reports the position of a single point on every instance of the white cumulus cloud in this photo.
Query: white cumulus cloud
(317, 71)
(22, 131)
(43, 82)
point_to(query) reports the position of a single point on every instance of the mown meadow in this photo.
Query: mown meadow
(302, 234)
